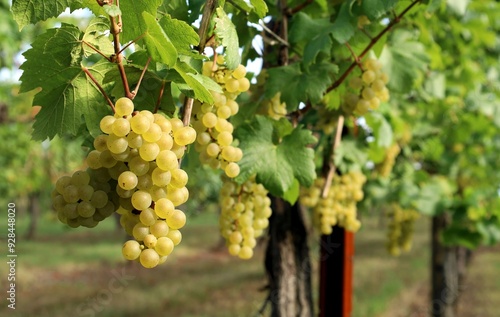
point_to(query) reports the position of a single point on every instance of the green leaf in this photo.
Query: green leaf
(149, 91)
(178, 9)
(375, 9)
(345, 25)
(292, 194)
(112, 10)
(52, 53)
(297, 85)
(404, 62)
(158, 43)
(226, 33)
(180, 33)
(30, 12)
(133, 18)
(199, 84)
(67, 96)
(349, 156)
(96, 34)
(260, 7)
(276, 164)
(381, 129)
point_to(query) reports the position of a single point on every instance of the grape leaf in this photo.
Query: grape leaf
(374, 9)
(158, 43)
(404, 61)
(30, 12)
(180, 33)
(178, 9)
(199, 84)
(277, 164)
(303, 27)
(298, 86)
(112, 10)
(54, 64)
(96, 34)
(148, 92)
(133, 21)
(226, 33)
(260, 7)
(292, 194)
(381, 129)
(345, 25)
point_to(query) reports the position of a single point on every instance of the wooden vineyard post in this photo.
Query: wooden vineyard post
(336, 271)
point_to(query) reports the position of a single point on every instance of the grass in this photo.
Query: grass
(66, 272)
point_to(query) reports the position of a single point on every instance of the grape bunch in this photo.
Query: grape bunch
(244, 215)
(215, 133)
(139, 153)
(400, 229)
(384, 168)
(339, 207)
(273, 108)
(84, 199)
(368, 90)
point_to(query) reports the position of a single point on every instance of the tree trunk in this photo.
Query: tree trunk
(287, 262)
(34, 213)
(445, 272)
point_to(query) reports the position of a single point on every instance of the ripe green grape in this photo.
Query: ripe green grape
(184, 136)
(99, 199)
(141, 200)
(150, 241)
(209, 120)
(179, 178)
(159, 229)
(164, 246)
(149, 258)
(176, 219)
(153, 134)
(232, 170)
(127, 180)
(124, 107)
(121, 127)
(106, 124)
(80, 178)
(131, 250)
(149, 151)
(140, 123)
(160, 177)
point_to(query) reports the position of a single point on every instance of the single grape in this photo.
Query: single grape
(164, 246)
(141, 200)
(184, 136)
(149, 258)
(131, 250)
(127, 180)
(124, 107)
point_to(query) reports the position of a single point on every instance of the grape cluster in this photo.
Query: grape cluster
(139, 153)
(400, 229)
(215, 132)
(273, 107)
(368, 90)
(384, 168)
(339, 207)
(244, 215)
(84, 199)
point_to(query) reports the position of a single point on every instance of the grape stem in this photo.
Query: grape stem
(160, 96)
(208, 12)
(134, 92)
(331, 159)
(356, 58)
(97, 51)
(373, 41)
(116, 28)
(86, 71)
(292, 11)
